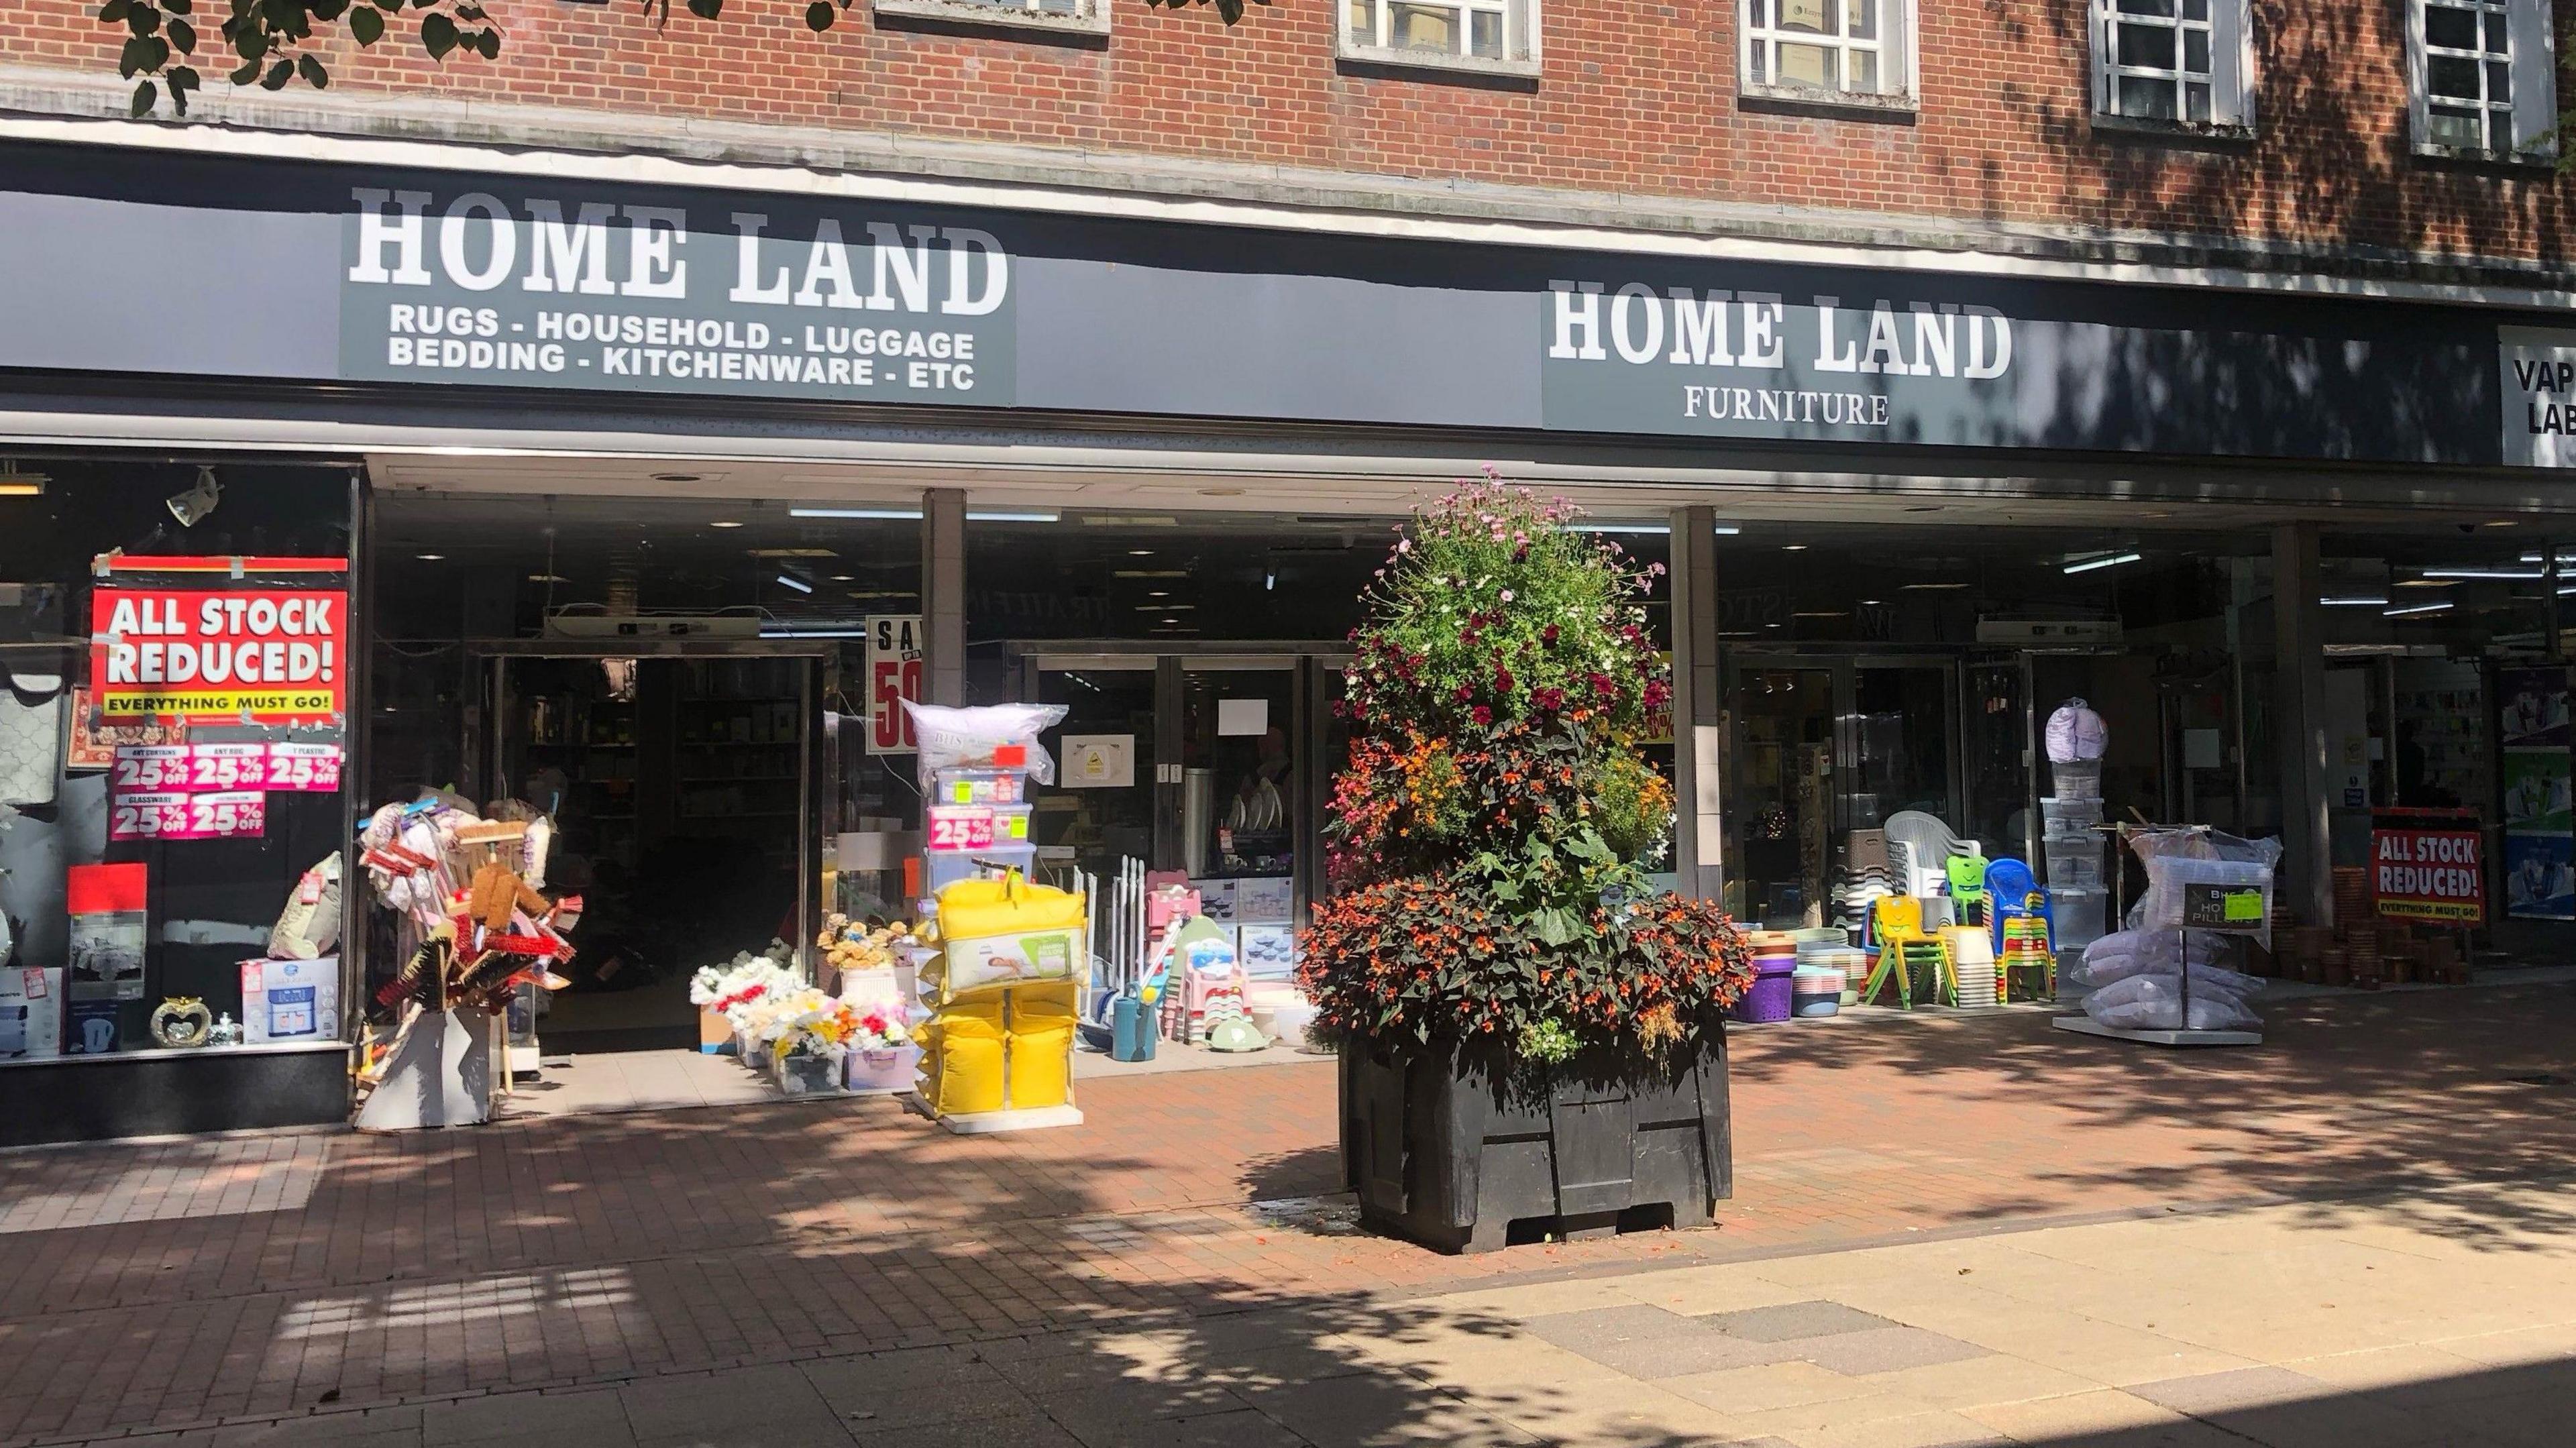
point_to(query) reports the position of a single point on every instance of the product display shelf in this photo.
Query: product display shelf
(2084, 1025)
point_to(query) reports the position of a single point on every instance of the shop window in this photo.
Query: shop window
(2481, 80)
(1836, 52)
(171, 815)
(1487, 35)
(1079, 17)
(2185, 64)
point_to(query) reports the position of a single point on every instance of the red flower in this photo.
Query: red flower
(1481, 714)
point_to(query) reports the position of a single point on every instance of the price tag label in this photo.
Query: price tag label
(149, 768)
(297, 767)
(220, 767)
(954, 830)
(234, 816)
(147, 816)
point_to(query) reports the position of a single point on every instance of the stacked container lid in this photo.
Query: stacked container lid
(2078, 899)
(1775, 960)
(1827, 966)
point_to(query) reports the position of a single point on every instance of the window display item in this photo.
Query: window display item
(1006, 932)
(109, 930)
(31, 736)
(31, 1013)
(2155, 1003)
(993, 736)
(309, 926)
(290, 1000)
(92, 1030)
(2203, 880)
(2075, 734)
(182, 1021)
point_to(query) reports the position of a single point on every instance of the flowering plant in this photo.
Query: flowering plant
(1494, 824)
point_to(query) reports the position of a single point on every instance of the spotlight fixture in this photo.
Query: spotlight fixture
(192, 506)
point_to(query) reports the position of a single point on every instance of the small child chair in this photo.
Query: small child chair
(2019, 911)
(1903, 947)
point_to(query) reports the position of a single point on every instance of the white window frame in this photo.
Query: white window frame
(1759, 37)
(2229, 76)
(1087, 17)
(2528, 64)
(1520, 22)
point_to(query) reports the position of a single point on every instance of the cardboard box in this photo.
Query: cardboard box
(290, 1000)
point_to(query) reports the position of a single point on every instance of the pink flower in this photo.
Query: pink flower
(1507, 595)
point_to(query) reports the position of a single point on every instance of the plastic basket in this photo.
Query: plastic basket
(2081, 779)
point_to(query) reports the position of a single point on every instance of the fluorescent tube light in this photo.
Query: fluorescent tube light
(1035, 515)
(2519, 574)
(2417, 608)
(2354, 601)
(800, 585)
(2107, 560)
(890, 514)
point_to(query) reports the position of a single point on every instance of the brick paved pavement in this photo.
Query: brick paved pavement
(182, 1285)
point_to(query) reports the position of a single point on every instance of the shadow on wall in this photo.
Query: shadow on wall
(2331, 161)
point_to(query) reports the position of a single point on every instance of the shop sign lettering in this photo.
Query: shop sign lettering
(893, 660)
(2431, 870)
(1758, 363)
(795, 300)
(2538, 369)
(269, 656)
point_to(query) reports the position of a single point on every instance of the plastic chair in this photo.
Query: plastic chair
(2023, 928)
(1903, 944)
(1968, 886)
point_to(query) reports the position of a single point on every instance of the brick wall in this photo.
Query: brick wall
(1634, 98)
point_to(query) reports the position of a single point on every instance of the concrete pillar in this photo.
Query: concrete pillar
(1698, 709)
(943, 596)
(2299, 712)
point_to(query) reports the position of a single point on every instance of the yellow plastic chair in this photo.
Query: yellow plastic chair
(1896, 922)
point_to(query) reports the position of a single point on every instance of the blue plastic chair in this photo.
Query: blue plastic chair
(2009, 886)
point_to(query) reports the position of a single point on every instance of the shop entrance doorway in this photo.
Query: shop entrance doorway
(682, 783)
(1214, 763)
(1823, 746)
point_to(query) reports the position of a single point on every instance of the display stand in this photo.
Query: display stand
(1007, 990)
(2084, 1025)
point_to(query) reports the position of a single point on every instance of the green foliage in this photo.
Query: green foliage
(1492, 828)
(270, 38)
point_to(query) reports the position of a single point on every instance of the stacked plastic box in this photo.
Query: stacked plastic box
(2078, 896)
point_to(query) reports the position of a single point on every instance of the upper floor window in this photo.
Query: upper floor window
(1082, 17)
(2482, 80)
(2183, 63)
(1848, 51)
(1489, 35)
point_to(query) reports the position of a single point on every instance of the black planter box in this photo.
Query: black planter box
(1451, 1152)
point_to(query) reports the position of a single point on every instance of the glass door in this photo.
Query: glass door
(1242, 810)
(1102, 809)
(1780, 812)
(1902, 744)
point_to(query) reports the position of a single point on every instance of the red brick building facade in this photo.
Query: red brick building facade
(1629, 101)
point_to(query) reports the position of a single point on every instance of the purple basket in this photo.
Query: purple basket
(1768, 998)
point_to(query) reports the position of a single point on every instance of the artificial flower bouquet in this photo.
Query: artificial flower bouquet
(879, 1054)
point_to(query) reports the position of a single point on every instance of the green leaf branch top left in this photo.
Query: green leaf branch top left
(268, 40)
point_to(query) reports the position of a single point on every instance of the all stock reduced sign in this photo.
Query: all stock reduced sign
(2429, 865)
(218, 650)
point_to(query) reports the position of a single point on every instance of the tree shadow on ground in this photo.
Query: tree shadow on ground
(2361, 1095)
